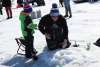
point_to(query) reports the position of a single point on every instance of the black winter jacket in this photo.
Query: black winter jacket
(6, 3)
(46, 23)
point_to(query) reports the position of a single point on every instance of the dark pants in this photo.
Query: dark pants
(54, 44)
(8, 11)
(40, 2)
(61, 2)
(68, 11)
(29, 50)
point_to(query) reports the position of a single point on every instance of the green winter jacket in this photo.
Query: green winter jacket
(30, 26)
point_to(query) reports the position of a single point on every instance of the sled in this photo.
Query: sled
(36, 14)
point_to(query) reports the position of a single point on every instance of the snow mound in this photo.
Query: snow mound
(71, 57)
(3, 66)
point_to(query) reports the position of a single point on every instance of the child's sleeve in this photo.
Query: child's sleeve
(32, 26)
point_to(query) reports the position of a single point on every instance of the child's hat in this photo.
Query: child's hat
(27, 8)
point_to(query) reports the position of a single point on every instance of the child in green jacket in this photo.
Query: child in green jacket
(27, 28)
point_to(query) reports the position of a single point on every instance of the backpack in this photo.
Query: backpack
(97, 43)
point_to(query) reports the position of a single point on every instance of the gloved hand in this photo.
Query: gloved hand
(32, 26)
(66, 44)
(47, 36)
(24, 33)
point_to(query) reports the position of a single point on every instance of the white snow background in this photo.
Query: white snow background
(84, 28)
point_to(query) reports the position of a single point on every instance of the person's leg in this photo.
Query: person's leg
(27, 48)
(28, 51)
(69, 10)
(60, 41)
(10, 12)
(51, 44)
(32, 49)
(7, 12)
(66, 12)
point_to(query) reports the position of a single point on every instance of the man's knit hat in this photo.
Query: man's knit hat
(54, 10)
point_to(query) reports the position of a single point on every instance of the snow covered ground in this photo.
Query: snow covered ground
(84, 28)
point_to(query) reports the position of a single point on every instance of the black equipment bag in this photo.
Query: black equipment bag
(97, 43)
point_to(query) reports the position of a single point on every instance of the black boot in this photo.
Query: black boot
(34, 56)
(67, 45)
(66, 16)
(8, 18)
(70, 16)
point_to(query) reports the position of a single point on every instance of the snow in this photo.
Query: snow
(84, 29)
